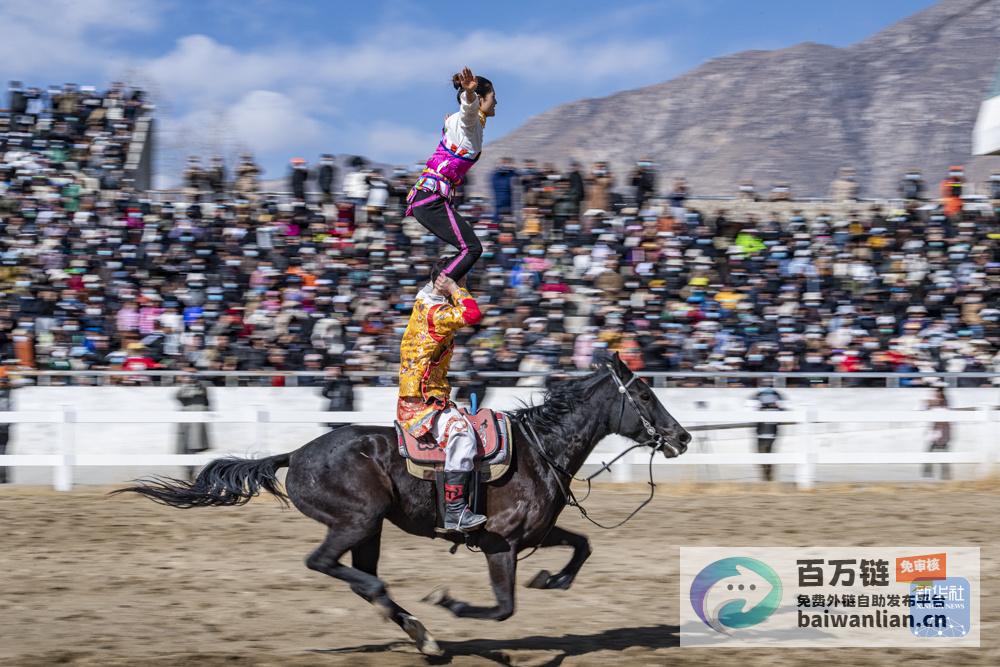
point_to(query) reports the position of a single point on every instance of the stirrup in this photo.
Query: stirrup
(459, 527)
(475, 523)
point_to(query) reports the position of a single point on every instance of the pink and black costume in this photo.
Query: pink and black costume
(429, 200)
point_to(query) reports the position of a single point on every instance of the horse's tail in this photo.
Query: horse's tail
(228, 481)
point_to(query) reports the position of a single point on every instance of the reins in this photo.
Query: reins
(567, 491)
(656, 443)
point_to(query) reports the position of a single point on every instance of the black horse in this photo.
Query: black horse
(353, 479)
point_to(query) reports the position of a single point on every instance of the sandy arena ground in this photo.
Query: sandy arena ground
(91, 580)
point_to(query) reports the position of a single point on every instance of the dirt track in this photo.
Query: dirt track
(91, 580)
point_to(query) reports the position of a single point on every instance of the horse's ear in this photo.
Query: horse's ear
(622, 367)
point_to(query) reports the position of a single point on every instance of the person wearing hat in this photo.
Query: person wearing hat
(424, 407)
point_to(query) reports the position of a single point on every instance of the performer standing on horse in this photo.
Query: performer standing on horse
(425, 408)
(461, 144)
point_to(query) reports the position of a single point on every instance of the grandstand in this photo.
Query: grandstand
(103, 275)
(107, 282)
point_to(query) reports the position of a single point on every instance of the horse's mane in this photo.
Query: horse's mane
(562, 397)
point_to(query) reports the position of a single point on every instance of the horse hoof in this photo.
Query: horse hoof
(438, 596)
(418, 633)
(540, 580)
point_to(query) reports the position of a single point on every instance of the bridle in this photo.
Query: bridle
(656, 439)
(656, 442)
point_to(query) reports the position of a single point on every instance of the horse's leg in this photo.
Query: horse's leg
(560, 537)
(503, 568)
(365, 556)
(362, 580)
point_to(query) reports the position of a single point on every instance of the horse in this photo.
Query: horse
(353, 479)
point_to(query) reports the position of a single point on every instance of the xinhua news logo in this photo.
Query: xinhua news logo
(735, 593)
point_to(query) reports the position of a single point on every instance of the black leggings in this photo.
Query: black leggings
(445, 223)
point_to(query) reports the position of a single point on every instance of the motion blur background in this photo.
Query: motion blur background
(204, 232)
(784, 215)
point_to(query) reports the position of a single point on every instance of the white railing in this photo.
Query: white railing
(655, 378)
(804, 458)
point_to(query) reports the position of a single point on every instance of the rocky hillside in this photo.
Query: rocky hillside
(907, 97)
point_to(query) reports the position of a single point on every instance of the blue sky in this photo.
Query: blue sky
(305, 77)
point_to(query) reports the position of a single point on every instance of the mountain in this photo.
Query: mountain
(905, 98)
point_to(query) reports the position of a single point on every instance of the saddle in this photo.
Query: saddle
(494, 447)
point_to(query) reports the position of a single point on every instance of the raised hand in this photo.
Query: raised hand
(468, 80)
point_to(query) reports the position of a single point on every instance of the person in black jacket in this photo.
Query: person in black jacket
(6, 405)
(644, 182)
(297, 178)
(192, 438)
(325, 176)
(577, 189)
(339, 391)
(767, 433)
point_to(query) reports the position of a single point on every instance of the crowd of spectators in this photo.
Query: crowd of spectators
(96, 276)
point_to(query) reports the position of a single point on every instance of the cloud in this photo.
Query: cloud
(64, 38)
(263, 121)
(201, 67)
(269, 121)
(276, 96)
(264, 92)
(398, 143)
(398, 56)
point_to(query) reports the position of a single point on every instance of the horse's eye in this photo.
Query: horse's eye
(645, 396)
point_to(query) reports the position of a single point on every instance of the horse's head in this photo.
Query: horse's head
(636, 413)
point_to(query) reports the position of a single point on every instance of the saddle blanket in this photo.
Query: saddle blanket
(494, 447)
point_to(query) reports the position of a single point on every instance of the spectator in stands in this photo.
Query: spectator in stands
(530, 178)
(324, 177)
(215, 177)
(194, 179)
(845, 187)
(356, 182)
(246, 177)
(297, 178)
(911, 187)
(678, 196)
(747, 191)
(17, 101)
(952, 189)
(503, 188)
(994, 188)
(781, 191)
(577, 189)
(644, 181)
(599, 185)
